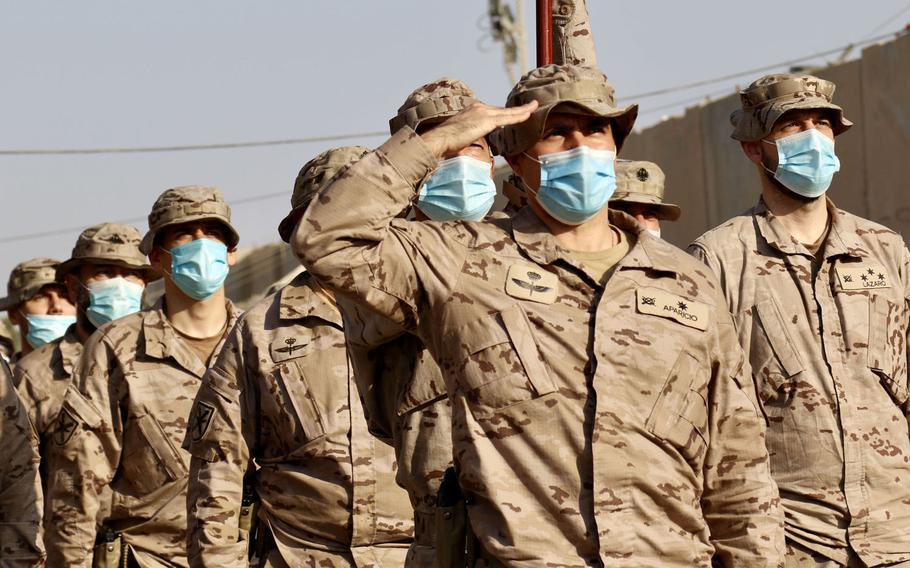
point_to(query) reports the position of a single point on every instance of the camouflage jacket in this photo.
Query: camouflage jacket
(591, 425)
(281, 396)
(406, 406)
(20, 485)
(121, 425)
(41, 377)
(829, 356)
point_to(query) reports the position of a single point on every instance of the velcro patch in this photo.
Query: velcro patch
(532, 283)
(65, 428)
(655, 302)
(862, 276)
(204, 414)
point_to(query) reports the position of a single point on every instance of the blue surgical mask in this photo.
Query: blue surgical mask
(806, 162)
(44, 329)
(460, 189)
(199, 267)
(112, 299)
(576, 184)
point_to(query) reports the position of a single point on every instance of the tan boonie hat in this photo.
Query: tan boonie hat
(565, 88)
(643, 182)
(769, 97)
(313, 177)
(27, 278)
(107, 243)
(440, 99)
(185, 204)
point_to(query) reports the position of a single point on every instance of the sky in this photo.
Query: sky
(120, 74)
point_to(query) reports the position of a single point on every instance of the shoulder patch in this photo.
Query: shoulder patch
(65, 427)
(204, 414)
(656, 302)
(862, 276)
(532, 283)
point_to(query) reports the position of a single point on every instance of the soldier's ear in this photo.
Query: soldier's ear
(72, 288)
(752, 150)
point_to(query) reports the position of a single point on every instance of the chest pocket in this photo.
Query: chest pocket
(501, 364)
(680, 413)
(772, 355)
(887, 346)
(150, 460)
(292, 359)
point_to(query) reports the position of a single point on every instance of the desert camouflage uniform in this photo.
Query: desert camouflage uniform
(20, 485)
(825, 332)
(122, 424)
(573, 42)
(573, 452)
(281, 396)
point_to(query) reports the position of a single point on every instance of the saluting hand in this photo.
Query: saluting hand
(474, 122)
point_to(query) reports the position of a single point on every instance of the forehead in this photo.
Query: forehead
(54, 287)
(805, 114)
(573, 119)
(190, 226)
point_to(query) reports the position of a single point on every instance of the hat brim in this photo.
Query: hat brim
(286, 226)
(530, 131)
(7, 302)
(148, 241)
(148, 273)
(665, 211)
(755, 124)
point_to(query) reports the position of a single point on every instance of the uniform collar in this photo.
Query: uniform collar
(299, 300)
(535, 240)
(70, 349)
(843, 238)
(162, 341)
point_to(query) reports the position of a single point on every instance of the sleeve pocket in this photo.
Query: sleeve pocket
(680, 413)
(887, 346)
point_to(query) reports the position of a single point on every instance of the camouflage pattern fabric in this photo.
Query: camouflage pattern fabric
(20, 486)
(281, 394)
(573, 42)
(27, 278)
(188, 203)
(638, 181)
(434, 101)
(769, 97)
(828, 349)
(107, 243)
(406, 405)
(563, 88)
(571, 451)
(121, 425)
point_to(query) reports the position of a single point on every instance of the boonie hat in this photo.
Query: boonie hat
(565, 88)
(643, 182)
(107, 243)
(440, 99)
(188, 203)
(27, 278)
(769, 97)
(313, 176)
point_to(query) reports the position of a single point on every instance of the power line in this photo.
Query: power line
(68, 230)
(187, 147)
(704, 82)
(884, 24)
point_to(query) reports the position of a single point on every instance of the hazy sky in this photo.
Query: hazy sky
(112, 74)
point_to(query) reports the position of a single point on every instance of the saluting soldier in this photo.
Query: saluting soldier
(571, 451)
(124, 416)
(279, 411)
(819, 297)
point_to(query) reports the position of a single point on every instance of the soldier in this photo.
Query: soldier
(571, 451)
(819, 299)
(124, 416)
(38, 303)
(104, 278)
(640, 193)
(281, 395)
(20, 485)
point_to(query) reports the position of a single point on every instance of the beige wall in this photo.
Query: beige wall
(710, 178)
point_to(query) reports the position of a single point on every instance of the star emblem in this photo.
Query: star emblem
(881, 276)
(870, 272)
(864, 278)
(682, 306)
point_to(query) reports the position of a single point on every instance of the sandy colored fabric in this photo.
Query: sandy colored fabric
(279, 407)
(121, 426)
(829, 357)
(571, 451)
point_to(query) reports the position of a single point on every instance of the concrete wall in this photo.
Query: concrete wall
(710, 178)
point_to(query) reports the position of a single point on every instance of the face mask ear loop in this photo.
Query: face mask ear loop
(766, 168)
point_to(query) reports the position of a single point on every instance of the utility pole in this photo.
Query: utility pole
(509, 29)
(544, 32)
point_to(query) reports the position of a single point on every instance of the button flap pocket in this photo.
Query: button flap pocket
(162, 447)
(82, 409)
(298, 392)
(778, 337)
(887, 346)
(519, 329)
